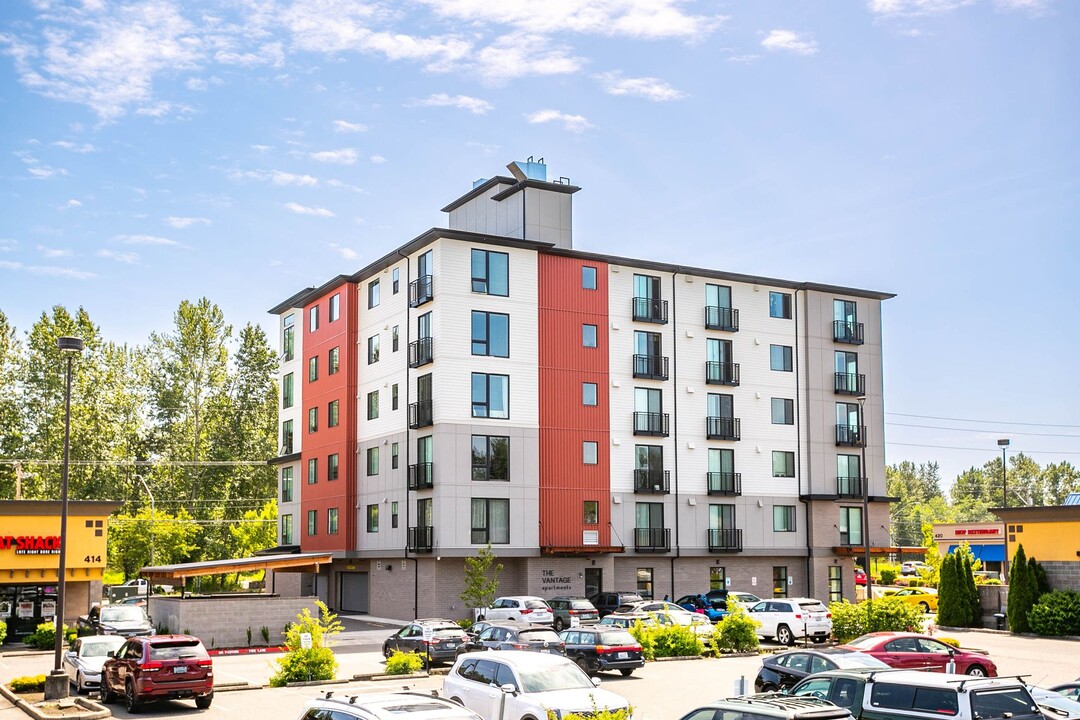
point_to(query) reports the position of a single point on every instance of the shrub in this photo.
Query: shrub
(3, 630)
(1042, 583)
(28, 684)
(952, 605)
(466, 623)
(604, 714)
(949, 641)
(1056, 613)
(736, 631)
(1023, 589)
(888, 575)
(645, 640)
(403, 663)
(265, 632)
(666, 640)
(887, 613)
(44, 638)
(300, 664)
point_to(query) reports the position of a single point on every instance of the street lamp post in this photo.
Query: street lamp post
(56, 685)
(153, 514)
(1003, 443)
(865, 506)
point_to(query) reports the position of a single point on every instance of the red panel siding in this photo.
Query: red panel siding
(565, 423)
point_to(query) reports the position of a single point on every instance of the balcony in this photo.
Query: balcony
(725, 540)
(421, 291)
(421, 476)
(849, 487)
(656, 540)
(656, 482)
(718, 373)
(851, 435)
(650, 310)
(723, 428)
(654, 367)
(845, 331)
(721, 318)
(421, 539)
(420, 414)
(646, 423)
(421, 352)
(850, 384)
(725, 483)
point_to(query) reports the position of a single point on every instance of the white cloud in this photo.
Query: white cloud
(649, 88)
(344, 126)
(343, 156)
(277, 177)
(521, 54)
(145, 240)
(304, 210)
(73, 203)
(164, 108)
(345, 252)
(267, 54)
(75, 147)
(1032, 7)
(914, 8)
(54, 252)
(184, 222)
(474, 105)
(346, 186)
(49, 270)
(377, 159)
(790, 41)
(262, 148)
(128, 258)
(486, 148)
(41, 172)
(8, 245)
(573, 123)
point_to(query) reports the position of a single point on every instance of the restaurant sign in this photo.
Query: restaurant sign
(31, 544)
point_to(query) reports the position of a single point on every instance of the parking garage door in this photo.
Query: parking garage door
(354, 592)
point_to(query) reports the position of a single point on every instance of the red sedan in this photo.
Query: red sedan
(860, 577)
(921, 652)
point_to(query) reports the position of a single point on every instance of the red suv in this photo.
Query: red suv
(163, 667)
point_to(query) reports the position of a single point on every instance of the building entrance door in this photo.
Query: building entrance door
(593, 581)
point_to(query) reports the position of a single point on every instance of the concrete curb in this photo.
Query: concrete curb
(378, 677)
(94, 711)
(988, 631)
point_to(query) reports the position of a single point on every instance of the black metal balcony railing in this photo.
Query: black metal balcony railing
(849, 487)
(850, 384)
(721, 318)
(420, 414)
(421, 476)
(652, 481)
(725, 540)
(421, 352)
(851, 435)
(725, 483)
(723, 428)
(851, 538)
(421, 539)
(421, 291)
(652, 539)
(845, 331)
(721, 373)
(646, 423)
(651, 310)
(651, 366)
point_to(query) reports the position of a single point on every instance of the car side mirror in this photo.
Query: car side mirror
(595, 681)
(112, 653)
(509, 689)
(71, 654)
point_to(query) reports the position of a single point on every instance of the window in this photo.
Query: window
(332, 467)
(591, 514)
(645, 583)
(589, 452)
(395, 275)
(836, 583)
(783, 463)
(313, 522)
(312, 419)
(490, 395)
(372, 518)
(721, 517)
(288, 338)
(373, 294)
(373, 405)
(287, 391)
(335, 308)
(312, 471)
(588, 277)
(394, 342)
(850, 526)
(286, 438)
(286, 484)
(393, 456)
(394, 396)
(332, 414)
(313, 369)
(717, 578)
(780, 305)
(373, 349)
(783, 518)
(490, 334)
(393, 514)
(783, 411)
(334, 361)
(490, 272)
(719, 314)
(313, 319)
(780, 358)
(331, 521)
(779, 581)
(286, 530)
(588, 336)
(588, 394)
(490, 457)
(490, 521)
(373, 461)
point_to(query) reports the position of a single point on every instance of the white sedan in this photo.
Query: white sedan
(83, 660)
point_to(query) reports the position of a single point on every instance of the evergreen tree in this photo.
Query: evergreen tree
(1042, 583)
(1022, 592)
(971, 593)
(949, 607)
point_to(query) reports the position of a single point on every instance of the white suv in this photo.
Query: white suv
(518, 607)
(788, 618)
(343, 705)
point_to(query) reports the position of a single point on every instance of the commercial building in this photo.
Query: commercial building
(605, 423)
(986, 539)
(1051, 535)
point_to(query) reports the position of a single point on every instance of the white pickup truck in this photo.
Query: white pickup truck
(135, 586)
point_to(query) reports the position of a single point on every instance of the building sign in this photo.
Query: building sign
(978, 531)
(555, 583)
(31, 544)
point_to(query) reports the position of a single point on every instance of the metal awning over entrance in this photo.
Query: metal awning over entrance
(289, 562)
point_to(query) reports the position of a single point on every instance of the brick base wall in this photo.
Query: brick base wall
(1062, 575)
(223, 621)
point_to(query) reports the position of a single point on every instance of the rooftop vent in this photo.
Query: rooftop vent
(528, 170)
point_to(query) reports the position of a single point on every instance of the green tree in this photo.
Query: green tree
(130, 538)
(1042, 582)
(971, 593)
(1058, 480)
(1023, 591)
(951, 607)
(258, 530)
(480, 587)
(11, 420)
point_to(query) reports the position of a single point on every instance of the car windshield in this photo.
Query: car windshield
(448, 632)
(539, 636)
(173, 650)
(100, 648)
(813, 606)
(536, 604)
(581, 605)
(617, 637)
(856, 660)
(554, 677)
(123, 613)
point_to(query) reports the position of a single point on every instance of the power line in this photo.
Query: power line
(985, 450)
(1011, 432)
(991, 422)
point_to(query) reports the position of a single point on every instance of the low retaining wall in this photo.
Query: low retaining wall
(223, 621)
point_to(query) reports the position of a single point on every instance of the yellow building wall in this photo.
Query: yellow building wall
(86, 548)
(1047, 541)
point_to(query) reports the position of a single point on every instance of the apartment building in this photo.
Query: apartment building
(604, 423)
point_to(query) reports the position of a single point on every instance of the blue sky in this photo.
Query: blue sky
(157, 150)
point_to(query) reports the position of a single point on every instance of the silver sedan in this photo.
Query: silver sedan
(83, 660)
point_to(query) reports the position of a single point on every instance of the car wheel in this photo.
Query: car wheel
(925, 607)
(131, 700)
(583, 663)
(387, 651)
(480, 618)
(107, 696)
(627, 672)
(558, 624)
(203, 701)
(784, 635)
(768, 687)
(976, 671)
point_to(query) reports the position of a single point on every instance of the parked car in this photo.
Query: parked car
(1068, 689)
(606, 602)
(125, 620)
(627, 620)
(135, 586)
(518, 607)
(510, 635)
(654, 606)
(163, 667)
(784, 669)
(786, 619)
(912, 651)
(924, 599)
(721, 597)
(914, 695)
(567, 609)
(713, 609)
(770, 706)
(84, 659)
(913, 567)
(518, 685)
(384, 706)
(447, 637)
(478, 627)
(136, 600)
(599, 648)
(860, 576)
(1055, 706)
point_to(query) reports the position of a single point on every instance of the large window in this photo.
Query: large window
(780, 305)
(335, 307)
(588, 277)
(286, 438)
(286, 484)
(332, 466)
(287, 391)
(490, 272)
(312, 419)
(850, 526)
(373, 405)
(312, 471)
(331, 521)
(373, 461)
(394, 456)
(332, 414)
(394, 396)
(490, 396)
(373, 294)
(836, 584)
(395, 334)
(393, 514)
(591, 512)
(490, 334)
(334, 361)
(589, 452)
(783, 463)
(288, 338)
(286, 530)
(780, 580)
(490, 521)
(717, 578)
(313, 319)
(372, 518)
(588, 336)
(588, 394)
(313, 369)
(395, 276)
(783, 518)
(312, 522)
(780, 358)
(645, 583)
(783, 411)
(490, 457)
(373, 349)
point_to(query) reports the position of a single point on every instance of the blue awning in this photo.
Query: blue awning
(986, 553)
